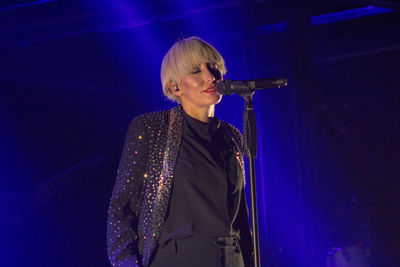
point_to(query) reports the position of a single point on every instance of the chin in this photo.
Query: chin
(219, 99)
(215, 100)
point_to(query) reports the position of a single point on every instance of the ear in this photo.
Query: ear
(176, 93)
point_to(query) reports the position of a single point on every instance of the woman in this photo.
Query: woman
(178, 198)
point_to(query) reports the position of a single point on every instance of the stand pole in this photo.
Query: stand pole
(256, 243)
(250, 144)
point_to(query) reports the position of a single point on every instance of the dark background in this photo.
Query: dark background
(74, 73)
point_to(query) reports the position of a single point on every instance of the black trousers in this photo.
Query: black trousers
(200, 252)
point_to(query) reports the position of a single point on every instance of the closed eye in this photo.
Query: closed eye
(195, 71)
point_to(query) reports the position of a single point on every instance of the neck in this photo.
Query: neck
(201, 114)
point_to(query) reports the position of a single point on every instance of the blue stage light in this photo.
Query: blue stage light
(26, 4)
(330, 18)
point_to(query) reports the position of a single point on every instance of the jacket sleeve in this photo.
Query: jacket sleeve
(123, 213)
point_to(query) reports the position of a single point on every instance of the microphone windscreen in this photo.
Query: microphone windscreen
(224, 87)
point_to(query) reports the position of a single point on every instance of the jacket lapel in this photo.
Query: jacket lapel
(159, 186)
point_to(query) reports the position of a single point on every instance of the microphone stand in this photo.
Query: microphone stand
(250, 147)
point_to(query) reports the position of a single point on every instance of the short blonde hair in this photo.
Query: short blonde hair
(183, 57)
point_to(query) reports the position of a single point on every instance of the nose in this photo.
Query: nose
(208, 76)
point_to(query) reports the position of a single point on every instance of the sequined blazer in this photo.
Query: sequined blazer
(143, 186)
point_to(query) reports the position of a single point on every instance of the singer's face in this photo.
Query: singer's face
(197, 89)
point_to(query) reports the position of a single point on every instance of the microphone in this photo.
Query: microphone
(228, 87)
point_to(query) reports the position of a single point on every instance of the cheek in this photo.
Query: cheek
(190, 84)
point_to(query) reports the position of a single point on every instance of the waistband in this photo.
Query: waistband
(207, 241)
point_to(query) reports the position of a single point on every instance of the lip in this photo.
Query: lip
(210, 89)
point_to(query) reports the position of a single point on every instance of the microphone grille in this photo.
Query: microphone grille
(224, 87)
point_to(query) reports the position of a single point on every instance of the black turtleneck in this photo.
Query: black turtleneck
(207, 188)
